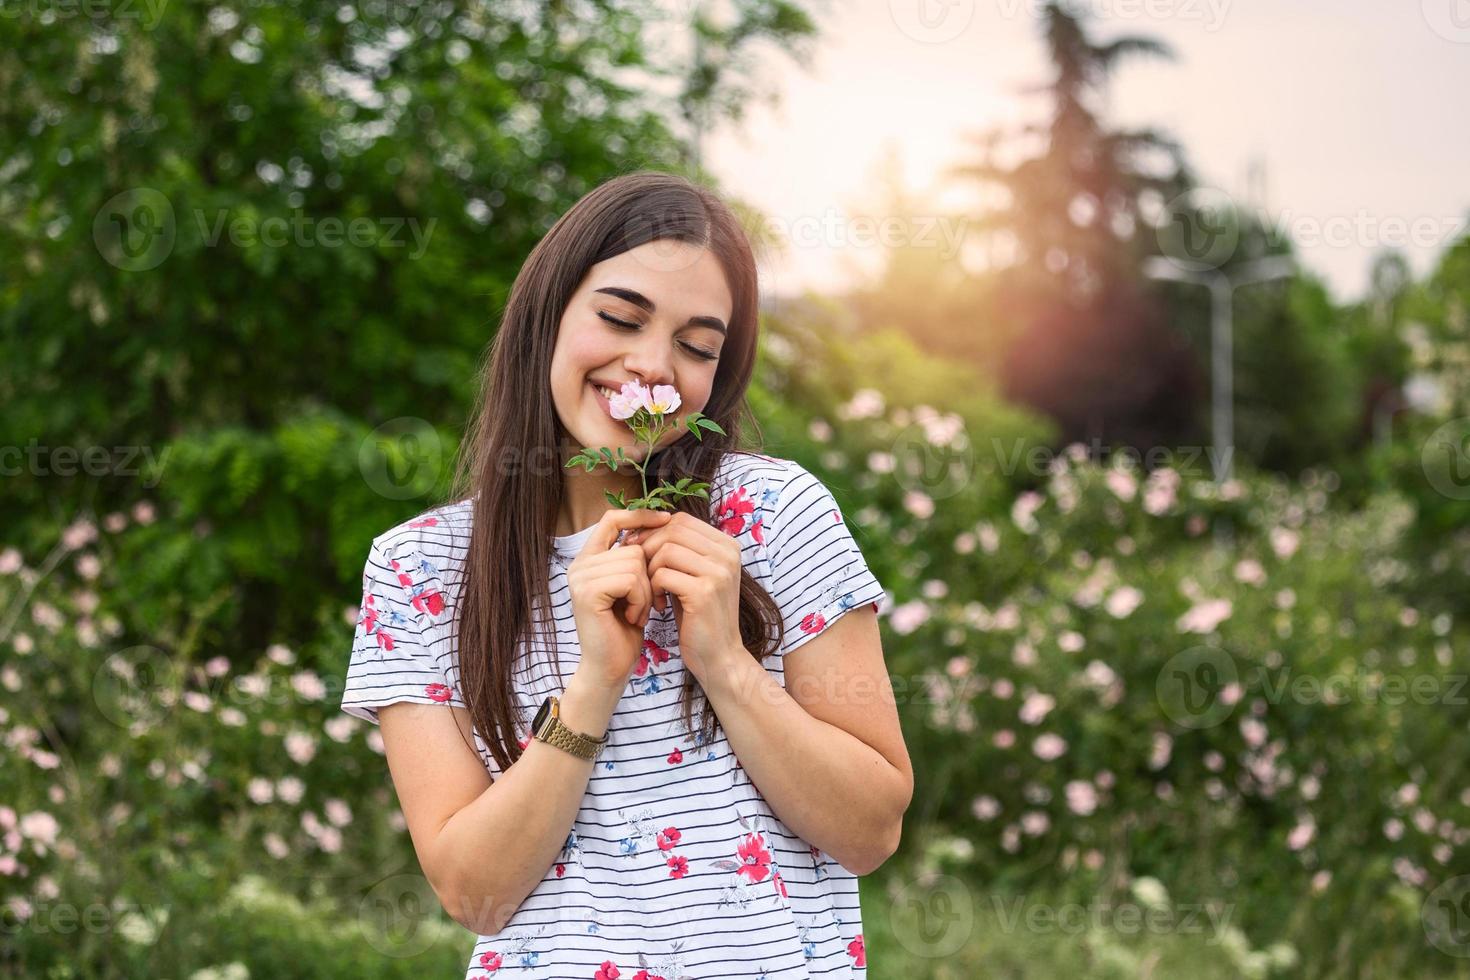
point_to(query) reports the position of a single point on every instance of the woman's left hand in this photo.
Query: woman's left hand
(699, 567)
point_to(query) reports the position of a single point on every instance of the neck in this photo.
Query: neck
(582, 500)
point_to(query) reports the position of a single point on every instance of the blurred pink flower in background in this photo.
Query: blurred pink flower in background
(1205, 616)
(1048, 747)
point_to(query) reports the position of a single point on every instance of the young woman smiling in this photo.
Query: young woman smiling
(584, 826)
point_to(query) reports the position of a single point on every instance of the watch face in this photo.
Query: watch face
(541, 715)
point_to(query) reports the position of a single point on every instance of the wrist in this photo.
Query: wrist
(587, 707)
(736, 677)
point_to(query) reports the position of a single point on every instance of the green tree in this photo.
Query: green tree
(267, 243)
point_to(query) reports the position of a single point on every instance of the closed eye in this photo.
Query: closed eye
(703, 353)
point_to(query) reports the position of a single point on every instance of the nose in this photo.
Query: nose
(650, 360)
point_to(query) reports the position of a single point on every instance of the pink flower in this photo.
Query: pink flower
(812, 623)
(1205, 616)
(490, 960)
(77, 534)
(429, 602)
(1284, 542)
(1036, 708)
(754, 858)
(1301, 835)
(1081, 797)
(662, 400)
(676, 757)
(608, 971)
(857, 952)
(1049, 746)
(667, 838)
(439, 692)
(908, 616)
(733, 511)
(678, 866)
(665, 399)
(1123, 601)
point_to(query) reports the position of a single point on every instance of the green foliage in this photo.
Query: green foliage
(649, 427)
(337, 201)
(1038, 657)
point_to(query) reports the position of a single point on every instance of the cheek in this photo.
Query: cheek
(696, 391)
(578, 351)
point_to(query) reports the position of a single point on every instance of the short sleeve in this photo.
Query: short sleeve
(817, 570)
(395, 656)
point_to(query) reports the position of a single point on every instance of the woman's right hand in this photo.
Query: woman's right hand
(611, 596)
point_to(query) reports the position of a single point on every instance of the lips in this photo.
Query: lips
(601, 398)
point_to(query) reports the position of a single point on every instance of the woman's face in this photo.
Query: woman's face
(656, 314)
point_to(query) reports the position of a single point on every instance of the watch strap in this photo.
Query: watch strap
(554, 732)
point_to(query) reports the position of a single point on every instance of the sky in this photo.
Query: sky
(1346, 122)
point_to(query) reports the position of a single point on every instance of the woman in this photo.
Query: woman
(612, 836)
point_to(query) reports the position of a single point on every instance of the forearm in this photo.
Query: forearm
(533, 804)
(830, 788)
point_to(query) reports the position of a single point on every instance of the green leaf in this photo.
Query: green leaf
(712, 425)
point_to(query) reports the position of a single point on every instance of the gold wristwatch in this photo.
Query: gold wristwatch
(547, 726)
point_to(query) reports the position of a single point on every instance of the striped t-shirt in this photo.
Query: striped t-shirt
(675, 866)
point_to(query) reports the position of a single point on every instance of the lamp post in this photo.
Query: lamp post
(1222, 287)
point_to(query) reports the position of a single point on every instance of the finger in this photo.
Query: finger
(686, 533)
(608, 563)
(640, 597)
(675, 555)
(617, 520)
(672, 581)
(645, 598)
(609, 587)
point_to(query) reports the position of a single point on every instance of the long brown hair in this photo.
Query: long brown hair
(510, 461)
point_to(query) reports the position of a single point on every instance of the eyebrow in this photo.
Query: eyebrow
(638, 299)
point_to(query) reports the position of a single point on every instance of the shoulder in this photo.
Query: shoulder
(756, 492)
(434, 540)
(744, 489)
(750, 470)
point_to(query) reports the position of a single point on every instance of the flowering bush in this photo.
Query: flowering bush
(1118, 689)
(1113, 674)
(143, 784)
